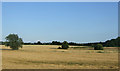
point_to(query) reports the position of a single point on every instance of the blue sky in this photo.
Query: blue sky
(72, 21)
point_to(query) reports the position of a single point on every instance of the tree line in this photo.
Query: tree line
(14, 42)
(108, 43)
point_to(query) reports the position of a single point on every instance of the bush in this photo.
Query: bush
(98, 47)
(65, 45)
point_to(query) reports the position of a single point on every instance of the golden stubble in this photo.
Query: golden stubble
(49, 57)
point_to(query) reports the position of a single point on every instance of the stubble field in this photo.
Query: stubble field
(49, 57)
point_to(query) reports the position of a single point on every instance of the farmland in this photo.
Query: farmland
(49, 57)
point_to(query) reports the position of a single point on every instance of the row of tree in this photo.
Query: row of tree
(108, 43)
(15, 42)
(112, 43)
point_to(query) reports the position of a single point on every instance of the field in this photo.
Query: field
(49, 57)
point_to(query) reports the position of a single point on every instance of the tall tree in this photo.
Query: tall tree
(13, 41)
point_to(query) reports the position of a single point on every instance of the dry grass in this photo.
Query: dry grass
(49, 57)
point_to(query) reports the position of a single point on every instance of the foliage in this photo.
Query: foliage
(55, 43)
(98, 47)
(108, 43)
(65, 45)
(38, 43)
(13, 41)
(113, 42)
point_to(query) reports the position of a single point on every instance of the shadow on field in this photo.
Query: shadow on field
(5, 49)
(53, 48)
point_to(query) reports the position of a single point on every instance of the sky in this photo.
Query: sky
(79, 22)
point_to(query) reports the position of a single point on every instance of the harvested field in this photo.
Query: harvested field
(49, 57)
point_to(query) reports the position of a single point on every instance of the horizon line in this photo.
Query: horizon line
(61, 41)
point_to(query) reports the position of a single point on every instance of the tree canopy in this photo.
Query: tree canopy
(13, 41)
(65, 45)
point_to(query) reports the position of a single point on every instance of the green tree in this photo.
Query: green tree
(118, 41)
(13, 41)
(98, 47)
(65, 45)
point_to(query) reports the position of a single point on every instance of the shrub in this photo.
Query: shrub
(98, 47)
(65, 45)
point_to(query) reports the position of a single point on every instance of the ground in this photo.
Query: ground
(49, 57)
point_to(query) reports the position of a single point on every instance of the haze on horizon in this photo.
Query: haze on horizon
(71, 21)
